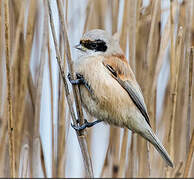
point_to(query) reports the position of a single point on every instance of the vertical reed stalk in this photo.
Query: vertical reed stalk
(81, 137)
(191, 59)
(130, 167)
(24, 165)
(70, 63)
(174, 92)
(36, 134)
(122, 162)
(158, 51)
(132, 33)
(189, 157)
(11, 127)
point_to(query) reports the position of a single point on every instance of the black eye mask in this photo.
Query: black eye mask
(97, 45)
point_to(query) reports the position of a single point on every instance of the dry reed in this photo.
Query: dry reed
(80, 135)
(158, 43)
(11, 127)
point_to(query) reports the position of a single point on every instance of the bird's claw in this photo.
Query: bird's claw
(79, 80)
(85, 125)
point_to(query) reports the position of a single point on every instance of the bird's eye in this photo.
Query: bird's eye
(93, 45)
(101, 45)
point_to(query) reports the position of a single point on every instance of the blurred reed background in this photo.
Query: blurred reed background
(36, 139)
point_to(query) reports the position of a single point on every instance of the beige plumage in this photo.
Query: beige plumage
(115, 95)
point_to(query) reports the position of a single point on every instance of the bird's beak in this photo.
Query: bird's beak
(80, 47)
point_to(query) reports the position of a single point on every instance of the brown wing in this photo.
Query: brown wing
(122, 72)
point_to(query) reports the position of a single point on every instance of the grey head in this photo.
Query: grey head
(98, 42)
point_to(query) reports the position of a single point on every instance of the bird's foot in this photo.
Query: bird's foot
(80, 79)
(85, 125)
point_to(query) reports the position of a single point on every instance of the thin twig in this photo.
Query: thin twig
(70, 63)
(61, 66)
(80, 135)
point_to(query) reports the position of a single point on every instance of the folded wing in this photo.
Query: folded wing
(122, 72)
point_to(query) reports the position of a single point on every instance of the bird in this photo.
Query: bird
(108, 87)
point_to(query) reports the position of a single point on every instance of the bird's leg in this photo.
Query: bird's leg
(80, 80)
(85, 125)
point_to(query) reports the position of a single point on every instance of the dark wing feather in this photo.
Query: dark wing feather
(135, 96)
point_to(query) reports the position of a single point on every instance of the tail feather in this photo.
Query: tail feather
(152, 138)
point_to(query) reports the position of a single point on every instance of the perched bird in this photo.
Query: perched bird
(108, 88)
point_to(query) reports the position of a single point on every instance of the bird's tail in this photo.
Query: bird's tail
(152, 138)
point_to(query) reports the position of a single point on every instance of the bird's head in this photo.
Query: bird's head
(98, 42)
